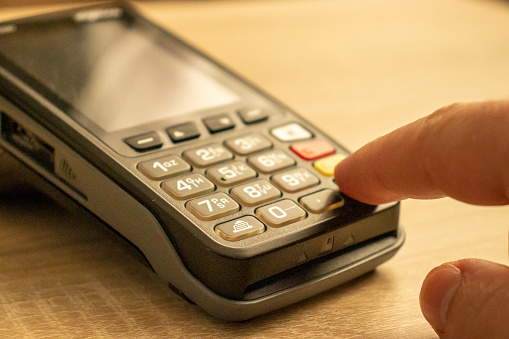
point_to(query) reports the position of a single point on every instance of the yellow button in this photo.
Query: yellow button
(326, 165)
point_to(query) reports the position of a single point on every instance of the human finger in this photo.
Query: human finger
(468, 298)
(461, 151)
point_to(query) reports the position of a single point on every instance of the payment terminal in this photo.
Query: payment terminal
(227, 192)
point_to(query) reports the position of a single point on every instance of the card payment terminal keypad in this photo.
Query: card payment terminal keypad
(231, 177)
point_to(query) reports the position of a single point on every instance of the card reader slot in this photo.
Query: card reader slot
(319, 267)
(31, 145)
(27, 142)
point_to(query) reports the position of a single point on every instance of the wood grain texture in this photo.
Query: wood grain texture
(357, 69)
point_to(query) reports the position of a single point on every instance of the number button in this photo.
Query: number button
(295, 180)
(280, 213)
(188, 186)
(231, 174)
(255, 193)
(239, 229)
(212, 206)
(207, 155)
(163, 167)
(248, 144)
(271, 161)
(322, 201)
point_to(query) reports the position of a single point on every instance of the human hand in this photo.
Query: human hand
(461, 151)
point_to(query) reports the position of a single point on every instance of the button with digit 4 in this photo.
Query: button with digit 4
(188, 186)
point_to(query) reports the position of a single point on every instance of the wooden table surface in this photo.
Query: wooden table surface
(357, 69)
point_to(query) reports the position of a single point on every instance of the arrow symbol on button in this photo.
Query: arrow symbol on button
(178, 134)
(224, 121)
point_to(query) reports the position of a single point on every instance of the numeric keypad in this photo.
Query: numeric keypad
(262, 179)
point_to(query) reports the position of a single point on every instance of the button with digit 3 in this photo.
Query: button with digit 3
(247, 144)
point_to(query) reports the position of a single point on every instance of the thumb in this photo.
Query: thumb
(468, 298)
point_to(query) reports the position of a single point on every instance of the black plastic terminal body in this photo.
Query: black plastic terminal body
(233, 280)
(296, 263)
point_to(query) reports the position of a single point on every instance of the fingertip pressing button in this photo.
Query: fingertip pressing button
(326, 165)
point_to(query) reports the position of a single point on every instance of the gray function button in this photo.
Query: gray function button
(291, 132)
(248, 144)
(271, 161)
(255, 193)
(254, 115)
(207, 155)
(163, 167)
(280, 213)
(240, 228)
(212, 206)
(188, 186)
(183, 132)
(295, 180)
(322, 201)
(218, 123)
(145, 142)
(231, 173)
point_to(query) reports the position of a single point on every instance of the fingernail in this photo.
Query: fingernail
(437, 291)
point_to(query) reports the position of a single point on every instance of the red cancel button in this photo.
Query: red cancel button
(311, 150)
